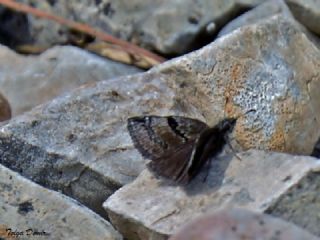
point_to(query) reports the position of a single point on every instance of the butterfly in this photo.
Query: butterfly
(178, 147)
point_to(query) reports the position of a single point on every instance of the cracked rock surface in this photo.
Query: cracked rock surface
(29, 211)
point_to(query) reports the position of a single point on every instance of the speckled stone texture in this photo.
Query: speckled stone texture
(33, 212)
(271, 67)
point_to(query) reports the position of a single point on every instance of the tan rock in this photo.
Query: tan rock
(249, 69)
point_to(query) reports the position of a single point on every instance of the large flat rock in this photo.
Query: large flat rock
(153, 208)
(29, 211)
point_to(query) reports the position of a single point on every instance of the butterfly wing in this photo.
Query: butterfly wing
(154, 136)
(173, 165)
(209, 144)
(167, 141)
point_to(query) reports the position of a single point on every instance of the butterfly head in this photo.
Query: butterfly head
(227, 124)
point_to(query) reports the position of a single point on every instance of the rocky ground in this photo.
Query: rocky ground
(69, 169)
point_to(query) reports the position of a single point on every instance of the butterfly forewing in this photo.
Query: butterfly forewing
(155, 136)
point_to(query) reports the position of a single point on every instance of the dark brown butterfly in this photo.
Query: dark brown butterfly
(178, 146)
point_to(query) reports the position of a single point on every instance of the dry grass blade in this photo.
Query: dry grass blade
(139, 56)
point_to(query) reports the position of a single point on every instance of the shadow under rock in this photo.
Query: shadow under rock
(316, 149)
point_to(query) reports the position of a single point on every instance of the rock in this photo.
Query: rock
(170, 28)
(29, 211)
(78, 143)
(307, 12)
(30, 81)
(259, 13)
(13, 28)
(236, 224)
(255, 68)
(5, 109)
(301, 203)
(154, 208)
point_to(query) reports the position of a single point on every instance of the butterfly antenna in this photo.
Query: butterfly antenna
(227, 140)
(249, 111)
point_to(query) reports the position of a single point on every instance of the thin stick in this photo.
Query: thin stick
(84, 28)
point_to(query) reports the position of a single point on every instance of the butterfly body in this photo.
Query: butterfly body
(178, 147)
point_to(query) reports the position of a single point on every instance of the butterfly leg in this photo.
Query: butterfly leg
(234, 152)
(232, 149)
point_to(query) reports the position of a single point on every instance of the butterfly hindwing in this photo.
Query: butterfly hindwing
(173, 164)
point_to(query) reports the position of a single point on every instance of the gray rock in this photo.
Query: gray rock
(255, 68)
(169, 28)
(30, 81)
(79, 144)
(307, 12)
(301, 204)
(153, 208)
(33, 212)
(236, 224)
(259, 13)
